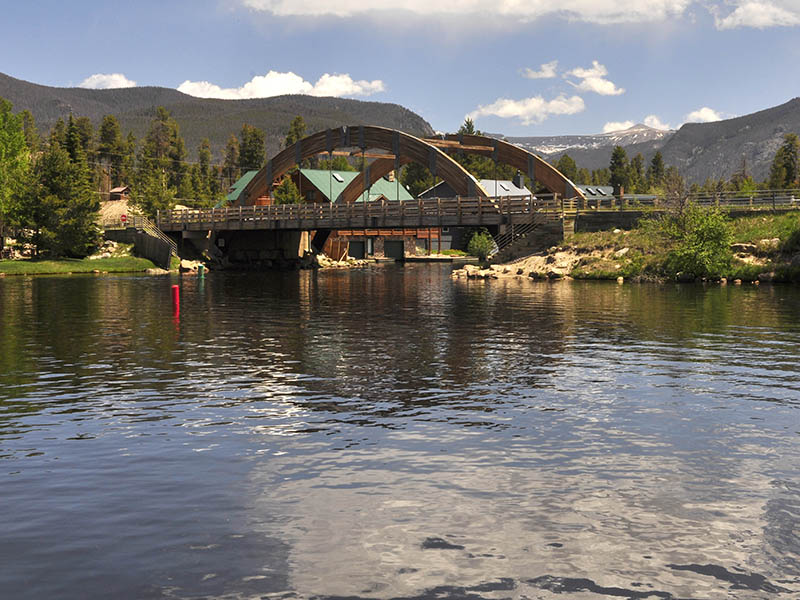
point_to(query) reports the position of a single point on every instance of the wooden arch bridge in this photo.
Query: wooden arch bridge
(471, 207)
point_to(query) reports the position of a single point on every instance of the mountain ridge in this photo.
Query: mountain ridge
(204, 117)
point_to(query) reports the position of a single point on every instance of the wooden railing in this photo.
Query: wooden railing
(756, 200)
(432, 212)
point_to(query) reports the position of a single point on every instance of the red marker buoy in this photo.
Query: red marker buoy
(176, 299)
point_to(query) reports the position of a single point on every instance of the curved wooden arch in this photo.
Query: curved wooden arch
(402, 145)
(534, 166)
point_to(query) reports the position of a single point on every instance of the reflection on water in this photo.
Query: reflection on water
(392, 433)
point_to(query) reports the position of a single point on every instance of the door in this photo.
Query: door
(394, 249)
(356, 250)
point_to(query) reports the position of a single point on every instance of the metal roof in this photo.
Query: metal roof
(332, 183)
(505, 188)
(236, 189)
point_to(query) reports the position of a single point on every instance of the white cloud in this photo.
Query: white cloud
(592, 11)
(703, 115)
(612, 126)
(530, 110)
(654, 122)
(593, 80)
(278, 84)
(106, 81)
(546, 71)
(760, 14)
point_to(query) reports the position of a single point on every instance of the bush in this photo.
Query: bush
(480, 245)
(701, 241)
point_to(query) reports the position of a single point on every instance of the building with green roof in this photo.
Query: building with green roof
(320, 185)
(232, 199)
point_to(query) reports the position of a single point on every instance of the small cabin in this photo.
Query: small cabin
(122, 192)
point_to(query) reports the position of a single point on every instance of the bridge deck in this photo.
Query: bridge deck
(436, 212)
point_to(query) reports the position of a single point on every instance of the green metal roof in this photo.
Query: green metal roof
(236, 190)
(330, 185)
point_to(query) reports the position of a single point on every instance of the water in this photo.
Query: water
(392, 433)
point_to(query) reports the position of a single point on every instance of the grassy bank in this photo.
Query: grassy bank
(118, 264)
(761, 247)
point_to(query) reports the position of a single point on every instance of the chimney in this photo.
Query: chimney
(518, 180)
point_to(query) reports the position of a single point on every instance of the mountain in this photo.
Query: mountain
(717, 150)
(699, 150)
(202, 117)
(557, 145)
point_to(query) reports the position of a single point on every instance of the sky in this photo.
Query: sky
(516, 67)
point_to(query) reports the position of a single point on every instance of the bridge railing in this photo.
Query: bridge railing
(755, 200)
(404, 212)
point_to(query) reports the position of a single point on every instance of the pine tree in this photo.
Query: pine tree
(59, 208)
(584, 177)
(31, 133)
(230, 164)
(286, 192)
(655, 172)
(14, 164)
(161, 170)
(416, 178)
(297, 131)
(784, 172)
(111, 148)
(636, 177)
(619, 169)
(252, 149)
(567, 167)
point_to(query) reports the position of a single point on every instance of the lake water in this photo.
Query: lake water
(392, 433)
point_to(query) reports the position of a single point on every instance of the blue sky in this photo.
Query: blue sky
(518, 67)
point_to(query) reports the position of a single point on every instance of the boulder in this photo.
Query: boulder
(744, 248)
(770, 244)
(685, 277)
(623, 252)
(189, 265)
(766, 277)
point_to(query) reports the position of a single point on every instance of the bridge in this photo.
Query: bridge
(507, 218)
(427, 213)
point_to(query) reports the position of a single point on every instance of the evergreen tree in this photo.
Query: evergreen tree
(337, 163)
(584, 177)
(416, 178)
(111, 149)
(619, 169)
(31, 133)
(784, 171)
(601, 177)
(636, 177)
(57, 214)
(230, 164)
(128, 170)
(58, 134)
(567, 167)
(14, 163)
(297, 131)
(468, 127)
(286, 192)
(655, 172)
(252, 149)
(161, 170)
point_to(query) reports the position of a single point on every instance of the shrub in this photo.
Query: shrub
(480, 245)
(701, 240)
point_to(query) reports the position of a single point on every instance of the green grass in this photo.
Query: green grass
(125, 264)
(453, 253)
(764, 227)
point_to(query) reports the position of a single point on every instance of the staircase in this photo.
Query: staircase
(149, 241)
(521, 239)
